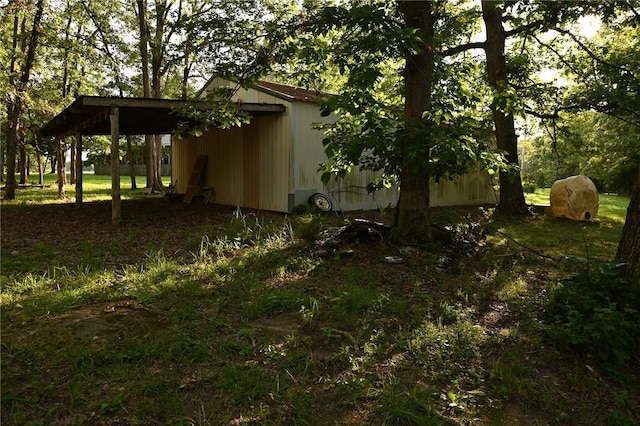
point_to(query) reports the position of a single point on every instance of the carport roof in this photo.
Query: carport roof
(89, 115)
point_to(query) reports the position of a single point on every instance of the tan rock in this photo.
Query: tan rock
(575, 197)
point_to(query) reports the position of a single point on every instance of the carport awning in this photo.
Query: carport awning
(89, 115)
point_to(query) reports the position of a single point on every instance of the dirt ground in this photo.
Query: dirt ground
(67, 232)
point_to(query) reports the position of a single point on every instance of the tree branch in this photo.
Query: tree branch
(463, 48)
(480, 44)
(550, 116)
(525, 28)
(559, 55)
(537, 252)
(589, 52)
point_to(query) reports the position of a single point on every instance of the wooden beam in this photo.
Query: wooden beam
(98, 101)
(116, 211)
(78, 170)
(96, 118)
(89, 114)
(170, 104)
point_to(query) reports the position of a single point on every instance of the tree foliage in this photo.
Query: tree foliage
(372, 46)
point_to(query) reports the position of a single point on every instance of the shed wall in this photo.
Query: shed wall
(274, 142)
(473, 188)
(272, 164)
(247, 166)
(244, 95)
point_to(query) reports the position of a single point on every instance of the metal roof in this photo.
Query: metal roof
(291, 92)
(89, 115)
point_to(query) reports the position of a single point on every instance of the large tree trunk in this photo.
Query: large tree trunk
(412, 217)
(511, 193)
(152, 160)
(13, 120)
(146, 86)
(15, 104)
(629, 246)
(13, 117)
(1, 163)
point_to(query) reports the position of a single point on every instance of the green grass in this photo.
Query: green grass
(94, 188)
(256, 326)
(613, 208)
(564, 237)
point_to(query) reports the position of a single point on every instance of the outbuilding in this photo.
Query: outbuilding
(272, 163)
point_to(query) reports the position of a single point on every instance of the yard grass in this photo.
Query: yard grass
(94, 188)
(564, 237)
(251, 321)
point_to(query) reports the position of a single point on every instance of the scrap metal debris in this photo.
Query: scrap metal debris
(340, 239)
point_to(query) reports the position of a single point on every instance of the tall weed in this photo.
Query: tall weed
(596, 312)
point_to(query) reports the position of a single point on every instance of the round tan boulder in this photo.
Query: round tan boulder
(575, 197)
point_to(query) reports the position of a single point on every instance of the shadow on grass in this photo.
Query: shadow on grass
(252, 324)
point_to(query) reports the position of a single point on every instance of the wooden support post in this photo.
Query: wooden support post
(78, 170)
(116, 212)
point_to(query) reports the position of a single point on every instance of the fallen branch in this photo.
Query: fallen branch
(537, 252)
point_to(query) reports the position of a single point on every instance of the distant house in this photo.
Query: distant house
(272, 162)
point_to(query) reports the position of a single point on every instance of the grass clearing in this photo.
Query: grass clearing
(94, 188)
(194, 315)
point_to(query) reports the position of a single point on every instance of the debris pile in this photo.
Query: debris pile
(340, 239)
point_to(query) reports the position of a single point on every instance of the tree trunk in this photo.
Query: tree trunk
(132, 162)
(13, 117)
(629, 246)
(36, 145)
(1, 161)
(412, 215)
(146, 86)
(14, 106)
(511, 193)
(159, 162)
(40, 166)
(73, 170)
(13, 120)
(152, 156)
(22, 162)
(62, 173)
(157, 59)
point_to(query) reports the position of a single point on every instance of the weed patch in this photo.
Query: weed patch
(597, 313)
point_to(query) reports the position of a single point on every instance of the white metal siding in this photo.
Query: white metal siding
(274, 148)
(289, 152)
(308, 152)
(473, 188)
(244, 95)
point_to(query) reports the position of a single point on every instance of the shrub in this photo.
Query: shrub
(529, 187)
(597, 313)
